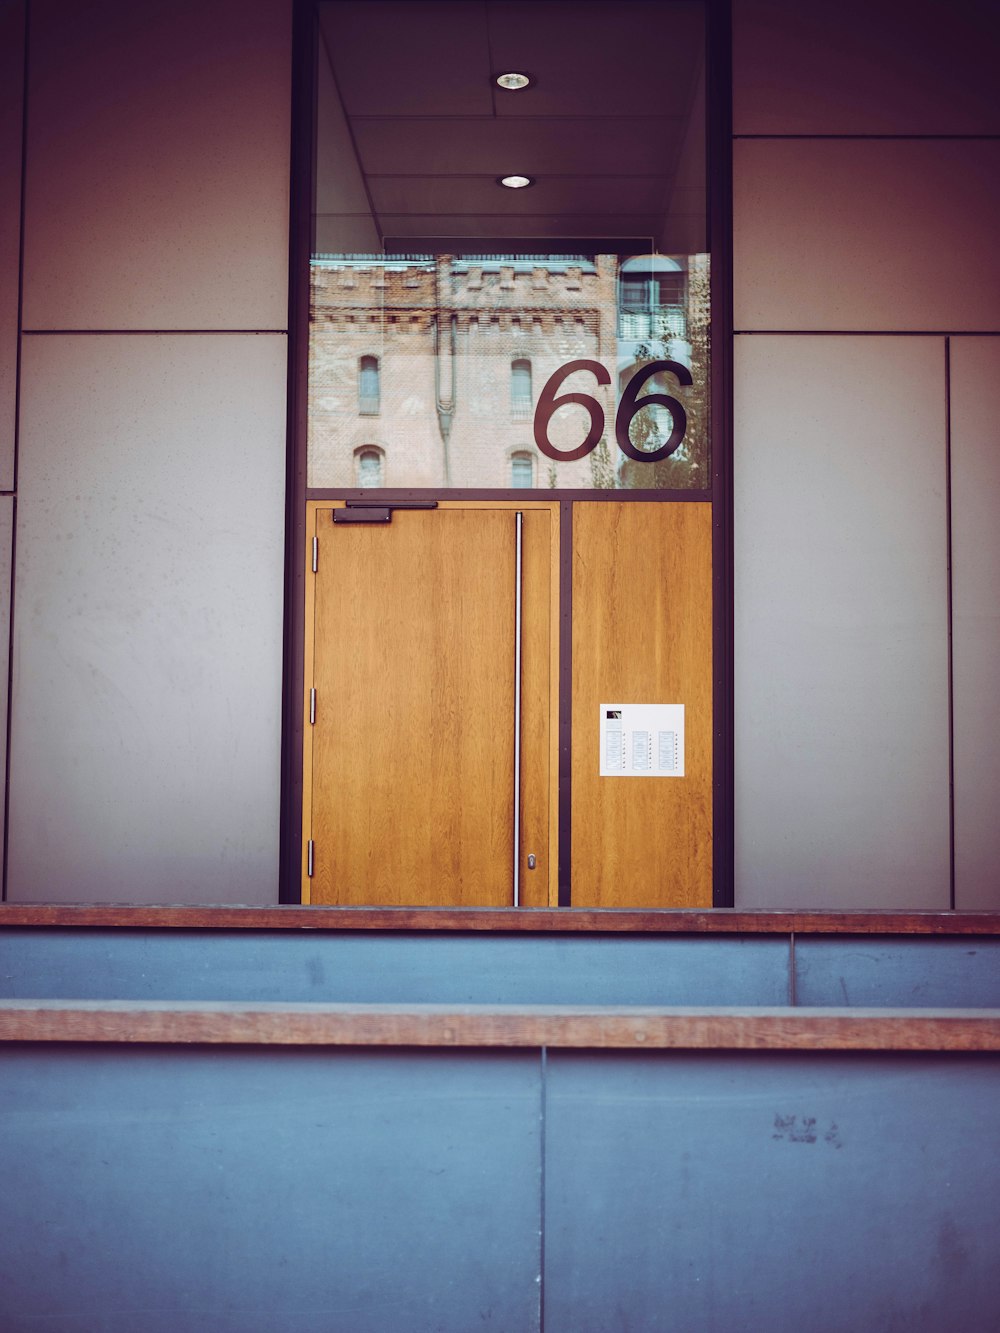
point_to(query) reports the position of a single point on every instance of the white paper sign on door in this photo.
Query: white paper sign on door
(642, 740)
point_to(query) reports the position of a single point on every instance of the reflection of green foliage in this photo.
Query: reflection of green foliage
(642, 428)
(602, 467)
(688, 468)
(553, 479)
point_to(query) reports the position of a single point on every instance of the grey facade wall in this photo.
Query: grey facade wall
(867, 308)
(143, 331)
(146, 663)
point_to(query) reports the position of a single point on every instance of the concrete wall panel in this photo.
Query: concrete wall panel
(11, 100)
(865, 67)
(914, 972)
(248, 1191)
(158, 140)
(841, 623)
(418, 967)
(975, 458)
(866, 235)
(147, 673)
(782, 1192)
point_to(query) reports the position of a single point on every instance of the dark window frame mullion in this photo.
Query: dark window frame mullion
(304, 57)
(719, 167)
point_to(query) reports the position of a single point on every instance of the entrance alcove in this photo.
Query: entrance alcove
(526, 261)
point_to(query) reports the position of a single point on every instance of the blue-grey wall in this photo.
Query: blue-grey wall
(454, 968)
(242, 1191)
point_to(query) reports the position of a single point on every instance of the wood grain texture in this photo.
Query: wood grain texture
(642, 633)
(540, 693)
(589, 1028)
(413, 746)
(522, 921)
(408, 771)
(536, 714)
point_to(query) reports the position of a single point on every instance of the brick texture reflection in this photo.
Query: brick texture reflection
(425, 370)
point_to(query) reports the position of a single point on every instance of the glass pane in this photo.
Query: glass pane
(369, 468)
(368, 386)
(520, 388)
(460, 313)
(522, 471)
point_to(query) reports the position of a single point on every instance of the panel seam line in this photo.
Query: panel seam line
(17, 447)
(951, 624)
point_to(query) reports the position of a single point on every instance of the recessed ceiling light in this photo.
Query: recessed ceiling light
(515, 182)
(514, 81)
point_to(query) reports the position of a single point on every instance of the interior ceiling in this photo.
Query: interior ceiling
(612, 130)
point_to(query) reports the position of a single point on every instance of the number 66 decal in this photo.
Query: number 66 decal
(549, 402)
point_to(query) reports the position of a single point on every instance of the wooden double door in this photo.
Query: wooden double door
(430, 753)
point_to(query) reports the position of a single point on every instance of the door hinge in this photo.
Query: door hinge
(315, 554)
(309, 858)
(312, 708)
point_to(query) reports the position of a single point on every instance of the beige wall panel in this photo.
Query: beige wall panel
(158, 143)
(841, 633)
(11, 97)
(866, 234)
(865, 67)
(147, 661)
(6, 543)
(975, 462)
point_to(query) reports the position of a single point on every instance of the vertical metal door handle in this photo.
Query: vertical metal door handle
(517, 710)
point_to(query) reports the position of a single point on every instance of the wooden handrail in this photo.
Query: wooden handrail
(567, 1026)
(513, 921)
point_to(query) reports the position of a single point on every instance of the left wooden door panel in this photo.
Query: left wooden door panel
(410, 761)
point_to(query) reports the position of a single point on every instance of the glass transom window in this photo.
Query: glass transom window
(554, 336)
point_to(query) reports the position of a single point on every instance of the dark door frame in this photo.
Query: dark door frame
(719, 137)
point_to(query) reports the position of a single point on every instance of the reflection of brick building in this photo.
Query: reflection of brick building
(425, 372)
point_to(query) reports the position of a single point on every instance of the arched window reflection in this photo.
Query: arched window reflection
(522, 470)
(368, 464)
(651, 298)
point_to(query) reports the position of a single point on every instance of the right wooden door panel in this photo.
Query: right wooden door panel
(642, 633)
